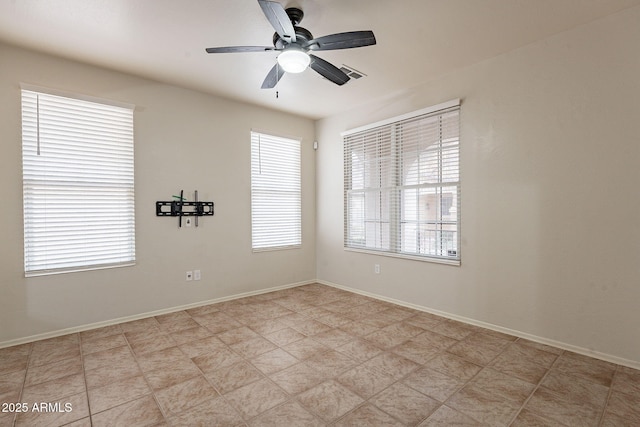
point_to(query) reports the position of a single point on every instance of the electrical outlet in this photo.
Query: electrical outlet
(376, 268)
(189, 276)
(196, 275)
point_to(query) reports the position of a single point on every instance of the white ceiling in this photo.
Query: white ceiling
(165, 40)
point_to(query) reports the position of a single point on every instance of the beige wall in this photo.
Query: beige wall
(183, 140)
(550, 169)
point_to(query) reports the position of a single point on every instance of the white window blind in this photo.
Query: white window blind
(78, 187)
(276, 212)
(402, 185)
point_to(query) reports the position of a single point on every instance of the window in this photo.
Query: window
(77, 160)
(402, 185)
(276, 221)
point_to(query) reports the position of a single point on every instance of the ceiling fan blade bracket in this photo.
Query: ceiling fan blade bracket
(279, 20)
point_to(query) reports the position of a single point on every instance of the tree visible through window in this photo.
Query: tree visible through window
(402, 185)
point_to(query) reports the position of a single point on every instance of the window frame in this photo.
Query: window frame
(276, 187)
(60, 126)
(383, 133)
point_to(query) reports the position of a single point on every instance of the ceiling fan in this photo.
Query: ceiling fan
(294, 43)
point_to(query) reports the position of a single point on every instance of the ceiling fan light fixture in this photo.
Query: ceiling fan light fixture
(294, 60)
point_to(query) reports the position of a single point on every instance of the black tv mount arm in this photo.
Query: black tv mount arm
(181, 207)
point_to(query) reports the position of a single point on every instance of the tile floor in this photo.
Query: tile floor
(310, 356)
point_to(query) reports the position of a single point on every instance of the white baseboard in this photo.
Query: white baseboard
(96, 325)
(580, 350)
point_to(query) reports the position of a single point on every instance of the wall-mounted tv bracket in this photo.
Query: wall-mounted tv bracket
(180, 207)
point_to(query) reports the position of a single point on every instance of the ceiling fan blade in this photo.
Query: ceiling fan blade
(279, 20)
(273, 77)
(233, 49)
(346, 40)
(328, 70)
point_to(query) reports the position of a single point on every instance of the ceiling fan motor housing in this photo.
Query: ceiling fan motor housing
(302, 34)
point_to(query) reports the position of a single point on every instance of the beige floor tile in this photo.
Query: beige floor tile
(299, 356)
(212, 413)
(202, 346)
(310, 327)
(503, 385)
(233, 377)
(359, 350)
(218, 359)
(180, 397)
(188, 335)
(102, 343)
(111, 371)
(612, 420)
(151, 345)
(585, 367)
(453, 329)
(520, 367)
(333, 338)
(117, 393)
(305, 348)
(627, 381)
(416, 351)
(359, 328)
(331, 364)
(65, 411)
(11, 386)
(284, 336)
(392, 365)
(145, 324)
(12, 363)
(162, 359)
(103, 332)
(334, 320)
(108, 357)
(447, 417)
(563, 409)
(405, 404)
(253, 347)
(298, 378)
(479, 348)
(54, 390)
(256, 398)
(484, 406)
(624, 406)
(365, 382)
(576, 388)
(527, 418)
(273, 361)
(424, 320)
(433, 384)
(268, 326)
(163, 378)
(290, 413)
(52, 371)
(368, 415)
(178, 325)
(43, 355)
(205, 309)
(234, 336)
(140, 412)
(329, 400)
(435, 340)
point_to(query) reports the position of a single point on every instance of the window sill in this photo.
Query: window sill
(434, 260)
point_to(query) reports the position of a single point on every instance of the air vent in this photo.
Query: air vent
(352, 73)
